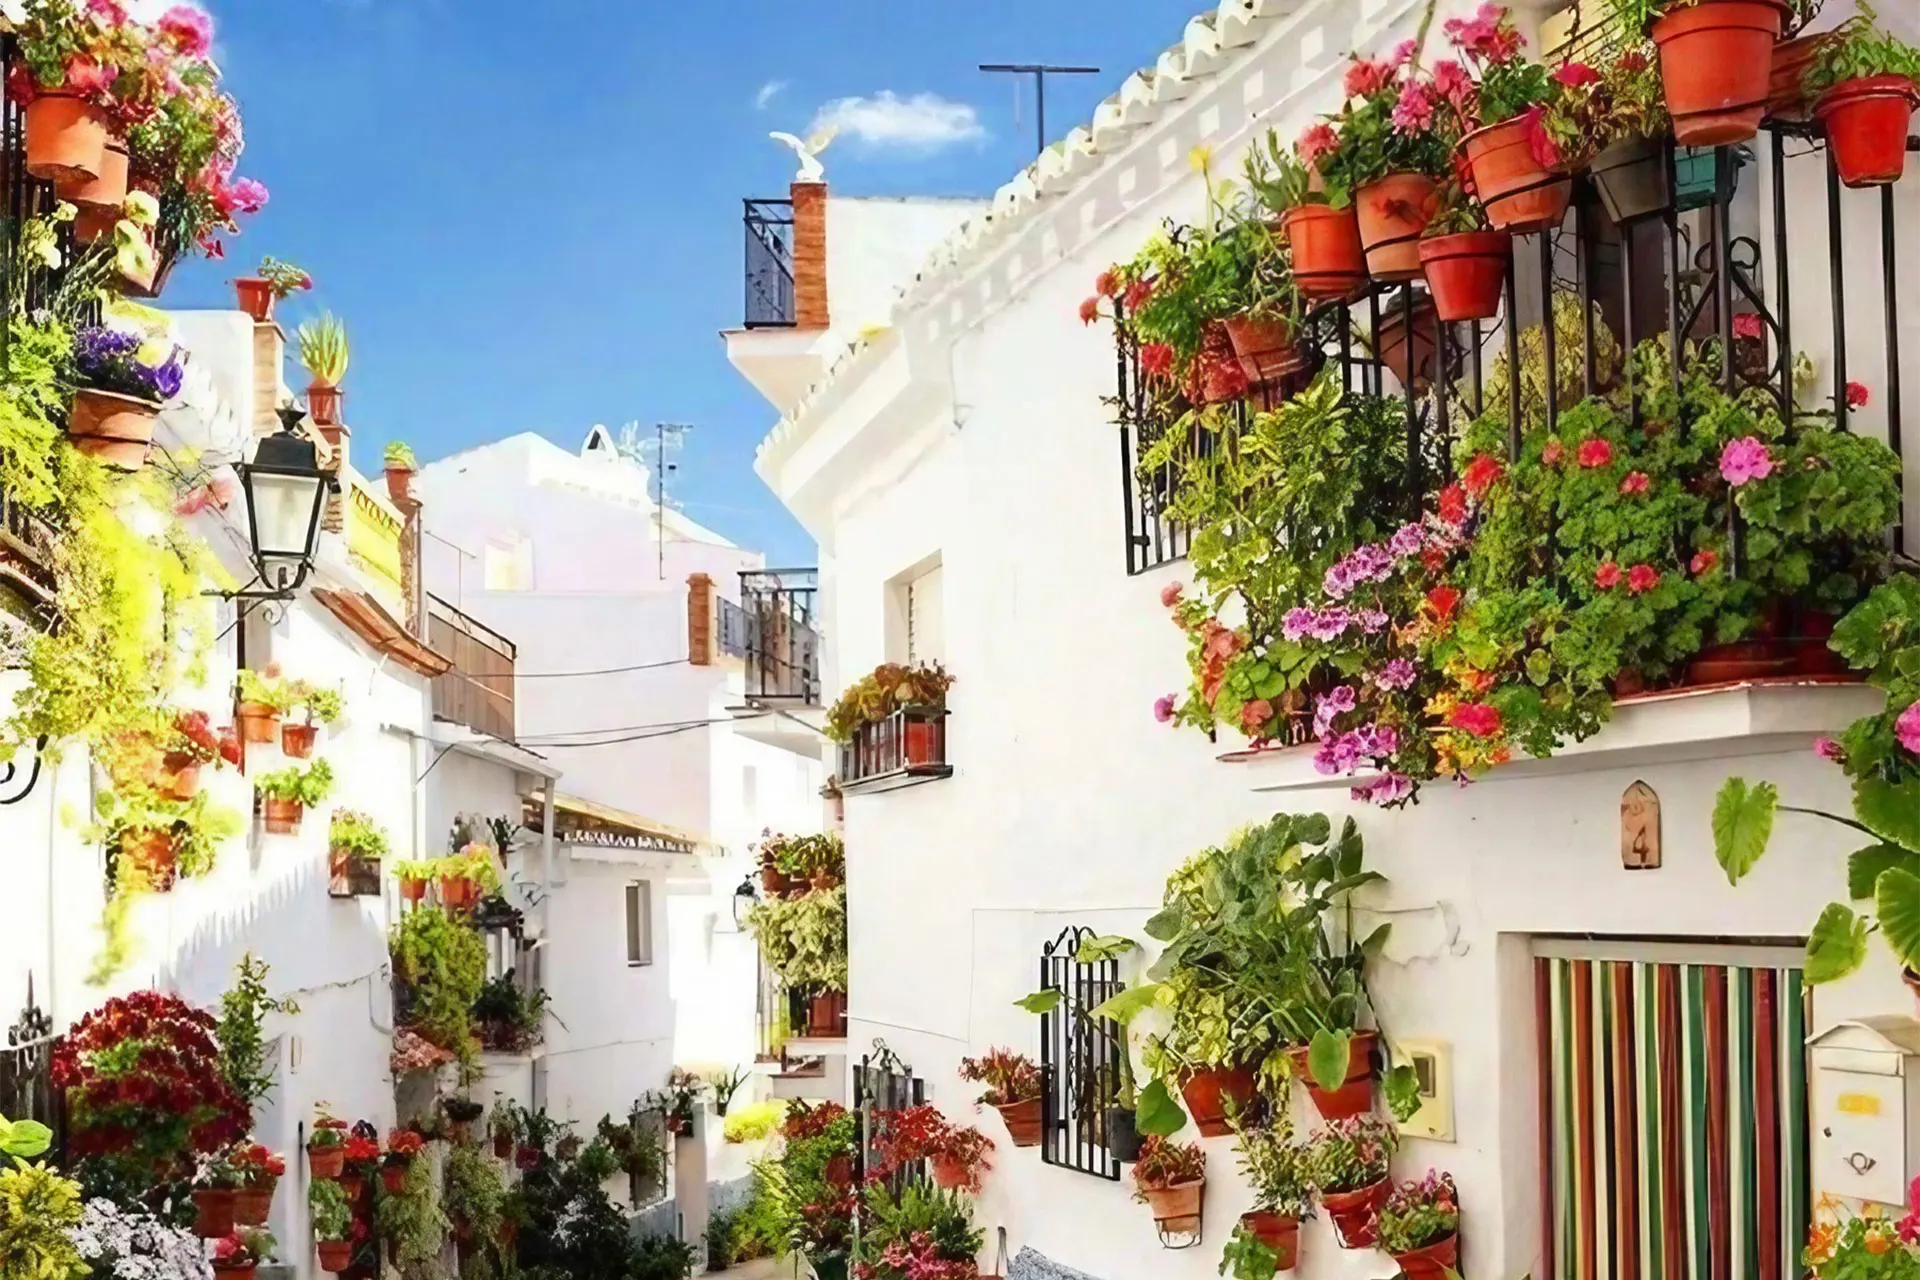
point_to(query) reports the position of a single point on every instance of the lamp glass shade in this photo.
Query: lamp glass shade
(283, 508)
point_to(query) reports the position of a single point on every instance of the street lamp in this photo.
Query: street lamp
(744, 899)
(286, 491)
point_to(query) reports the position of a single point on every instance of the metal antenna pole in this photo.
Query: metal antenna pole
(667, 439)
(1039, 71)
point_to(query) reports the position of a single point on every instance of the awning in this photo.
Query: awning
(369, 619)
(584, 822)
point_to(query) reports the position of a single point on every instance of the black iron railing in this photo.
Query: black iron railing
(1684, 272)
(1081, 1083)
(27, 1090)
(27, 283)
(782, 642)
(883, 1083)
(907, 747)
(733, 629)
(770, 303)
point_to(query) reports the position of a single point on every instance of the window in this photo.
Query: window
(639, 923)
(509, 563)
(916, 631)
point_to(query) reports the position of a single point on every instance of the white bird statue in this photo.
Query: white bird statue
(811, 170)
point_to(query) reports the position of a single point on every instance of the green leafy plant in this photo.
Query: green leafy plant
(887, 689)
(441, 963)
(1348, 1155)
(640, 1145)
(38, 1211)
(412, 1220)
(510, 1020)
(755, 1121)
(915, 1232)
(1247, 1256)
(725, 1083)
(357, 834)
(1360, 143)
(322, 705)
(804, 940)
(241, 1032)
(1418, 1214)
(660, 1258)
(473, 1195)
(323, 349)
(1622, 102)
(309, 786)
(1857, 49)
(1165, 1163)
(1275, 1168)
(327, 1207)
(1010, 1077)
(267, 690)
(283, 278)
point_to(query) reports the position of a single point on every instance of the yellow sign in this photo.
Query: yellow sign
(1860, 1104)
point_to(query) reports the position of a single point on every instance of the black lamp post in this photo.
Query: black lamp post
(744, 899)
(286, 492)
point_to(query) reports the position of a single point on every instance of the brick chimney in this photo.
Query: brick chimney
(269, 351)
(699, 620)
(810, 255)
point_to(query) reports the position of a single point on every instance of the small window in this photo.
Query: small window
(509, 563)
(915, 616)
(639, 923)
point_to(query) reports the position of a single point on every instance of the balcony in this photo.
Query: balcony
(478, 690)
(779, 611)
(769, 274)
(907, 748)
(26, 551)
(780, 346)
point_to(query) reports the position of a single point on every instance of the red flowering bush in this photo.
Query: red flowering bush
(913, 1134)
(256, 1165)
(361, 1150)
(810, 1121)
(145, 1092)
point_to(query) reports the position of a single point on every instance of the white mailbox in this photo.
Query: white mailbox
(1866, 1108)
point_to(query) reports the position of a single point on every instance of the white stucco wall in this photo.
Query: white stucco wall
(874, 243)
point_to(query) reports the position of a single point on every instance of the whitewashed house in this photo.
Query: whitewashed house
(972, 504)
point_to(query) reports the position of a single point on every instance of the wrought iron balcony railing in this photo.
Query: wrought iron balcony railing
(908, 747)
(770, 303)
(782, 635)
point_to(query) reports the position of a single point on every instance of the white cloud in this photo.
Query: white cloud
(768, 92)
(924, 122)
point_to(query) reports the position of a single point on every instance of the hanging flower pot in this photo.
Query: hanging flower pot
(1632, 178)
(1022, 1119)
(413, 889)
(150, 851)
(117, 429)
(213, 1212)
(252, 1205)
(1866, 124)
(1432, 1261)
(257, 722)
(326, 1162)
(1466, 273)
(335, 1255)
(1390, 344)
(1208, 1092)
(107, 189)
(282, 816)
(502, 1145)
(323, 404)
(1786, 81)
(1352, 1212)
(1516, 191)
(1716, 58)
(181, 776)
(1279, 1232)
(1355, 1095)
(256, 297)
(1268, 349)
(1392, 213)
(1328, 262)
(66, 138)
(296, 740)
(229, 1271)
(458, 893)
(1123, 1134)
(1176, 1209)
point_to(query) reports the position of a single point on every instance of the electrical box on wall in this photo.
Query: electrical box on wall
(1432, 1063)
(1865, 1102)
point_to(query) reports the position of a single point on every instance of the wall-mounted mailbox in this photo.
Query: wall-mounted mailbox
(1866, 1108)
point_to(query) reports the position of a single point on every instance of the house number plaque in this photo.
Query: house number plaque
(1640, 828)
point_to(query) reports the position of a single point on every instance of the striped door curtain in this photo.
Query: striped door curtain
(1673, 1104)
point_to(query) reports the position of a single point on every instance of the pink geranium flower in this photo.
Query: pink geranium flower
(1743, 460)
(189, 29)
(1907, 728)
(1170, 594)
(1163, 708)
(1366, 77)
(1554, 453)
(1607, 576)
(1828, 749)
(1089, 310)
(1413, 113)
(1704, 561)
(1642, 578)
(1856, 395)
(1636, 482)
(1594, 452)
(1746, 325)
(1451, 81)
(1315, 141)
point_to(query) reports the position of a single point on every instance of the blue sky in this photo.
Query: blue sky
(529, 214)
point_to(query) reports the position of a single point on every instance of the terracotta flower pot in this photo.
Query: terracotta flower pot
(335, 1255)
(213, 1212)
(1328, 262)
(1811, 654)
(1466, 273)
(326, 1162)
(1268, 350)
(1392, 213)
(1786, 79)
(1278, 1232)
(400, 483)
(502, 1145)
(1352, 1212)
(773, 880)
(1022, 1120)
(1517, 192)
(296, 740)
(1632, 179)
(152, 282)
(1176, 1208)
(351, 1185)
(412, 889)
(257, 722)
(1431, 1261)
(181, 776)
(1716, 58)
(151, 851)
(252, 1205)
(107, 189)
(1743, 660)
(66, 138)
(948, 1173)
(393, 1178)
(458, 893)
(114, 428)
(1866, 122)
(824, 882)
(1354, 1096)
(282, 817)
(244, 1272)
(827, 1014)
(323, 403)
(91, 225)
(1207, 1094)
(1391, 344)
(256, 297)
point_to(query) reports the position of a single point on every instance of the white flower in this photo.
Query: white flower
(142, 209)
(132, 255)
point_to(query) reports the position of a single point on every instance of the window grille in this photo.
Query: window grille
(639, 923)
(1079, 1059)
(882, 1083)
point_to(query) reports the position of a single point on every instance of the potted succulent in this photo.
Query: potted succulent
(320, 706)
(263, 699)
(215, 1184)
(327, 1147)
(1387, 158)
(1170, 1179)
(276, 282)
(286, 794)
(235, 1256)
(1613, 123)
(1419, 1224)
(1497, 99)
(1013, 1089)
(120, 388)
(400, 466)
(355, 846)
(1865, 80)
(332, 1218)
(1464, 260)
(1321, 229)
(260, 1171)
(1348, 1162)
(324, 352)
(1276, 1172)
(403, 1145)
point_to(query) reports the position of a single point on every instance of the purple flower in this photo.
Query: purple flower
(1163, 708)
(1337, 755)
(1331, 624)
(1298, 622)
(1370, 563)
(1743, 460)
(1338, 580)
(1397, 674)
(1408, 541)
(1390, 789)
(1336, 702)
(1907, 728)
(1377, 740)
(167, 378)
(1373, 621)
(109, 360)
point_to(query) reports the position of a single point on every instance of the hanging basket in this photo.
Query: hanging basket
(1633, 181)
(1355, 1095)
(252, 1205)
(66, 138)
(1432, 1261)
(1328, 262)
(1278, 1232)
(1866, 125)
(1208, 1093)
(1392, 213)
(1352, 1212)
(117, 429)
(1466, 273)
(1516, 191)
(1022, 1120)
(1716, 58)
(257, 722)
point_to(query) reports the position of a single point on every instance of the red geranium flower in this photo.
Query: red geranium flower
(1137, 294)
(1105, 284)
(1452, 504)
(1595, 452)
(1443, 600)
(1704, 561)
(1642, 578)
(1481, 474)
(1636, 482)
(1553, 453)
(1156, 359)
(1477, 718)
(1607, 576)
(1089, 311)
(1856, 395)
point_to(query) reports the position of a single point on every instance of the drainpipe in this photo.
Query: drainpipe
(546, 859)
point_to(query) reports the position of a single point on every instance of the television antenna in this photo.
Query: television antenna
(658, 453)
(1039, 71)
